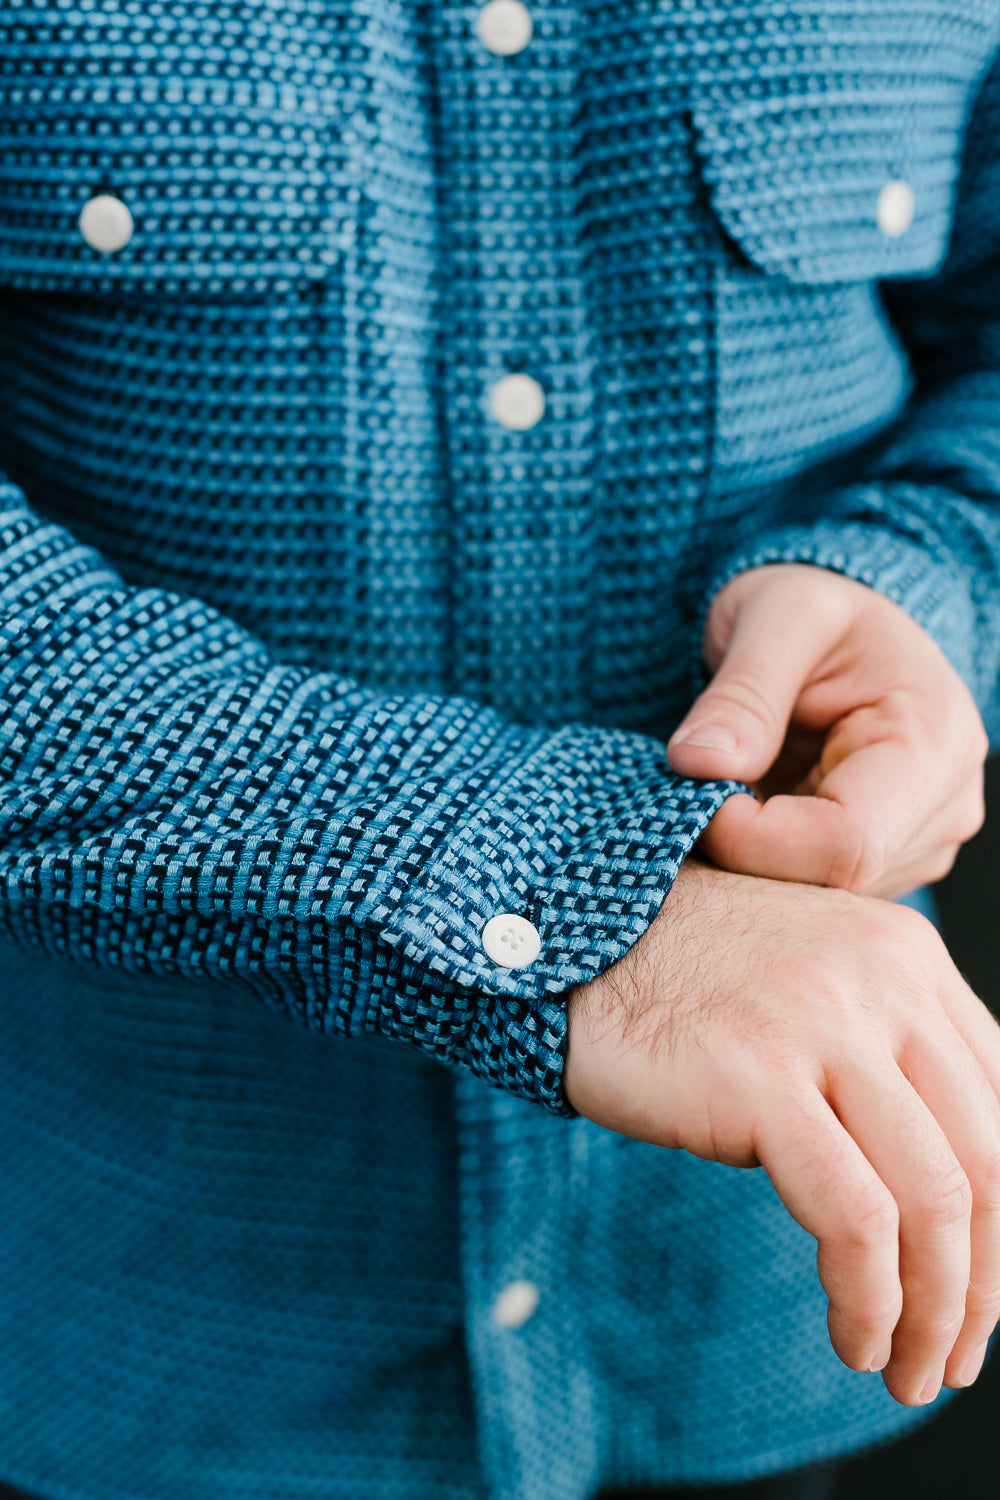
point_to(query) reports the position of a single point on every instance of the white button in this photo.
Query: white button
(516, 1304)
(517, 402)
(106, 223)
(511, 941)
(896, 207)
(504, 27)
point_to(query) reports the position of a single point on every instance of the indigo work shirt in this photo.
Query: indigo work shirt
(387, 389)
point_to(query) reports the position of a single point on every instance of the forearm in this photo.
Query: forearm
(177, 801)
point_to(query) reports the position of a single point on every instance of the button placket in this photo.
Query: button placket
(106, 223)
(518, 405)
(517, 402)
(516, 1305)
(504, 27)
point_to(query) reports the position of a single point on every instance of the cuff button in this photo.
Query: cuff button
(511, 941)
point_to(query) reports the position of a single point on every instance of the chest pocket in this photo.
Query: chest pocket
(184, 191)
(830, 144)
(178, 398)
(228, 146)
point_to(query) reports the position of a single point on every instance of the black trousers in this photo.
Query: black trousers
(819, 1482)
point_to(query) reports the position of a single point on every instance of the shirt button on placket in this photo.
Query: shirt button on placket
(517, 402)
(516, 1304)
(106, 223)
(504, 27)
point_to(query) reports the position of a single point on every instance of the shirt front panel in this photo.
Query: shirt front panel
(350, 226)
(352, 222)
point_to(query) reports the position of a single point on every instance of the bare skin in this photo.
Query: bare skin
(864, 745)
(829, 1038)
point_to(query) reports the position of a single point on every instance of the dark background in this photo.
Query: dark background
(956, 1456)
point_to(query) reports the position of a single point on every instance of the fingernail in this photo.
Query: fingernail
(881, 1359)
(931, 1389)
(707, 737)
(972, 1366)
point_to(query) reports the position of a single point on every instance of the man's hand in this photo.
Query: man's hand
(862, 741)
(828, 1038)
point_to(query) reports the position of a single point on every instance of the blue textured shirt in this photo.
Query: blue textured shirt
(311, 666)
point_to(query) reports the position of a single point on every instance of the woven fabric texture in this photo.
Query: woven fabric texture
(310, 667)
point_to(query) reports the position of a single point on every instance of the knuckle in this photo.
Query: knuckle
(940, 1329)
(894, 939)
(986, 1195)
(983, 1302)
(988, 1184)
(873, 1314)
(910, 944)
(948, 1200)
(979, 740)
(971, 817)
(966, 732)
(974, 824)
(740, 688)
(940, 864)
(874, 1220)
(721, 840)
(857, 859)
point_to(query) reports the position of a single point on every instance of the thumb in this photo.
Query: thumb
(736, 728)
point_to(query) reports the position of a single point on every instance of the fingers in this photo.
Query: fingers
(982, 1035)
(931, 1129)
(900, 743)
(973, 1022)
(736, 728)
(869, 827)
(919, 1158)
(831, 1189)
(899, 1180)
(958, 1093)
(927, 868)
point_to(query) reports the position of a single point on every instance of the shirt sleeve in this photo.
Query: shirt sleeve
(921, 523)
(174, 801)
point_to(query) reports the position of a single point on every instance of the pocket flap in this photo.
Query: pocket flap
(839, 162)
(227, 187)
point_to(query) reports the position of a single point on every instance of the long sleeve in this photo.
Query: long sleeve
(176, 802)
(921, 523)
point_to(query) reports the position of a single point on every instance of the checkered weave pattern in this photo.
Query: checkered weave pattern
(229, 767)
(339, 849)
(310, 667)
